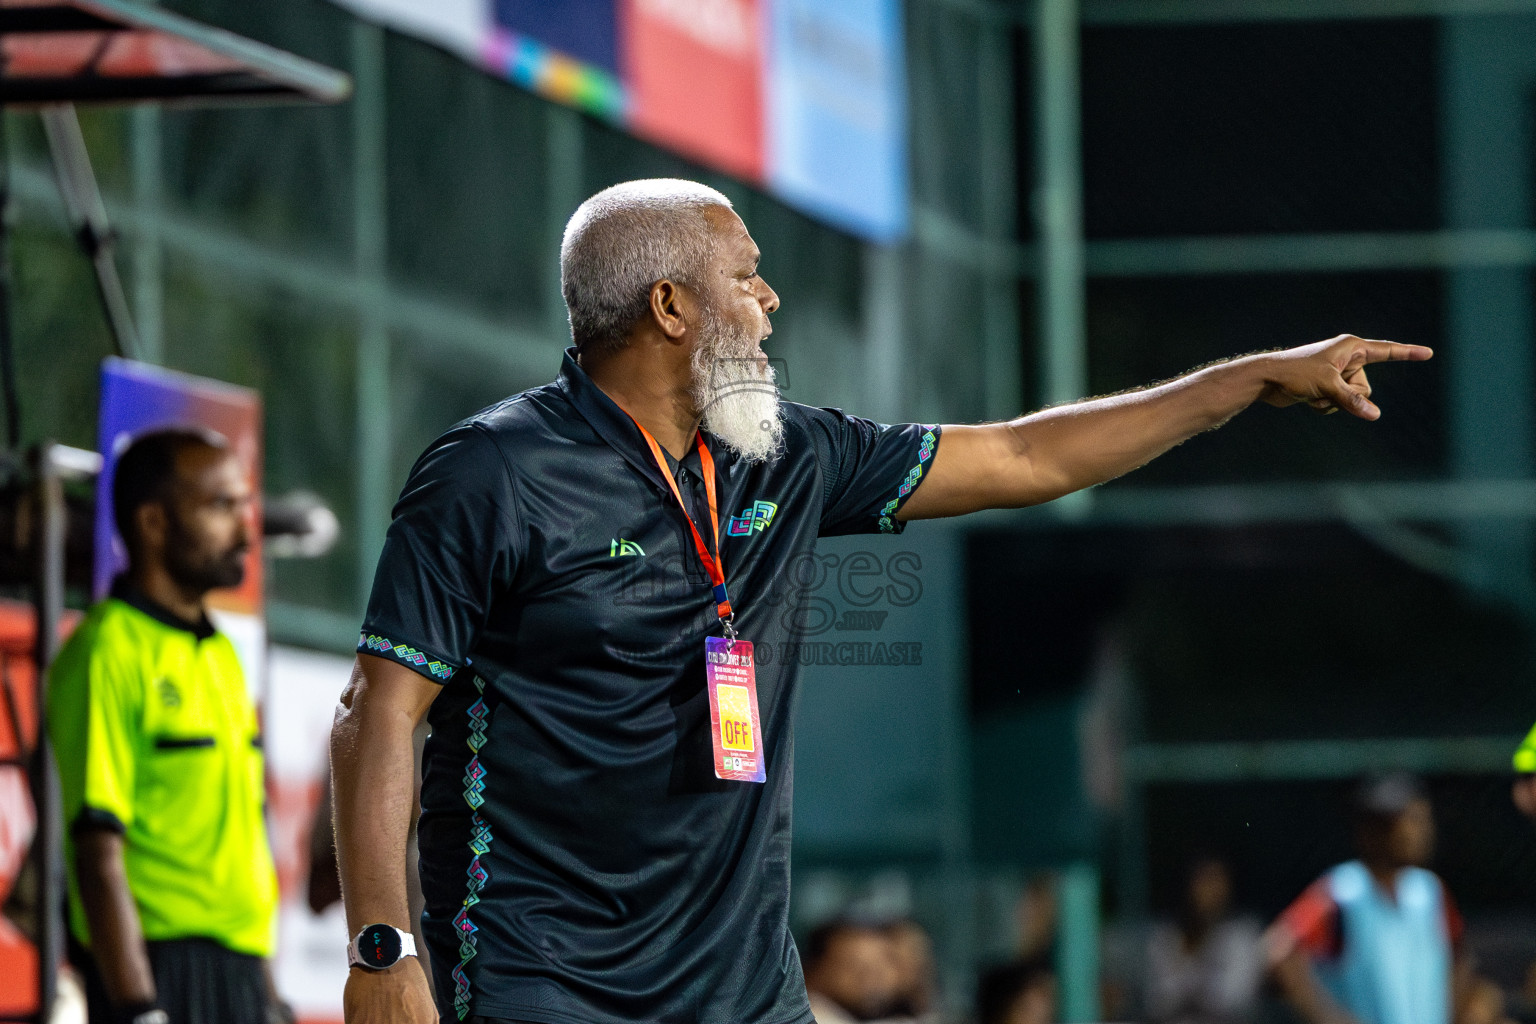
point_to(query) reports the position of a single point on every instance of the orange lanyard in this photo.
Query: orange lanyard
(713, 564)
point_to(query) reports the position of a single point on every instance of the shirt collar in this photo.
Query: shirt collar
(613, 424)
(139, 601)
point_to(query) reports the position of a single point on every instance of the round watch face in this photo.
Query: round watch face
(378, 946)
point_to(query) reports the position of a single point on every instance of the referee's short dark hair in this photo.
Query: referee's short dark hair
(145, 469)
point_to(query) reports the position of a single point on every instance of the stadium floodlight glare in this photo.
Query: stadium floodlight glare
(117, 51)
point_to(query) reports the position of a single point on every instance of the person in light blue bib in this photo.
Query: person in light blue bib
(1374, 940)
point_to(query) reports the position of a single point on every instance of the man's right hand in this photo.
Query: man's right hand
(398, 995)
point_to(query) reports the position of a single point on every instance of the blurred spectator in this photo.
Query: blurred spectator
(1206, 967)
(916, 981)
(1377, 940)
(1524, 790)
(172, 891)
(1021, 992)
(1036, 915)
(851, 972)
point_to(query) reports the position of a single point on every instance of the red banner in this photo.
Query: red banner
(695, 73)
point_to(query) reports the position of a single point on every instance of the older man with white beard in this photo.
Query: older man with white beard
(571, 591)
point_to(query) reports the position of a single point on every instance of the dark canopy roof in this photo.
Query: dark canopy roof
(116, 51)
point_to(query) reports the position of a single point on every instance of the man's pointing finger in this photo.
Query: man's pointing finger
(1391, 351)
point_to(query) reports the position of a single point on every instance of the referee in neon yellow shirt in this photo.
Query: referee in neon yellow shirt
(172, 892)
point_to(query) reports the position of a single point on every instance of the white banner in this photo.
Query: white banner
(302, 690)
(458, 25)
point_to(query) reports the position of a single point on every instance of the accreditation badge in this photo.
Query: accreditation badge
(731, 676)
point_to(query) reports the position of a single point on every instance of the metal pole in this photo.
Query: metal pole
(148, 249)
(563, 189)
(375, 429)
(1488, 71)
(1063, 337)
(88, 216)
(8, 391)
(945, 567)
(885, 340)
(1001, 352)
(51, 522)
(1134, 873)
(1077, 948)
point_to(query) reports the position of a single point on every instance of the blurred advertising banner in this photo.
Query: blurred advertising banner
(836, 92)
(136, 397)
(695, 75)
(18, 816)
(802, 97)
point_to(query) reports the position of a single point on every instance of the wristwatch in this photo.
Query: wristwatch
(142, 1013)
(379, 947)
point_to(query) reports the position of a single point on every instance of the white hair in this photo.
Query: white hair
(623, 240)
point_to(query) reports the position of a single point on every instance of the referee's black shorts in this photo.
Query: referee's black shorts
(198, 981)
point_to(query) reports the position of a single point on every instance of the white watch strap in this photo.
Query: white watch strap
(407, 948)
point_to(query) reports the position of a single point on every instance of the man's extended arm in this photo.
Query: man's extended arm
(117, 937)
(1054, 452)
(372, 771)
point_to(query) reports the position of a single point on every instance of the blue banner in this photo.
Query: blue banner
(837, 118)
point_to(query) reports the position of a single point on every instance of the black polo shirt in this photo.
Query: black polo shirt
(581, 862)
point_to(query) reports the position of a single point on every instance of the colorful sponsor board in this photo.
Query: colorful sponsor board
(138, 397)
(19, 722)
(804, 98)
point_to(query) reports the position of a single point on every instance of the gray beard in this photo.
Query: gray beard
(739, 401)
